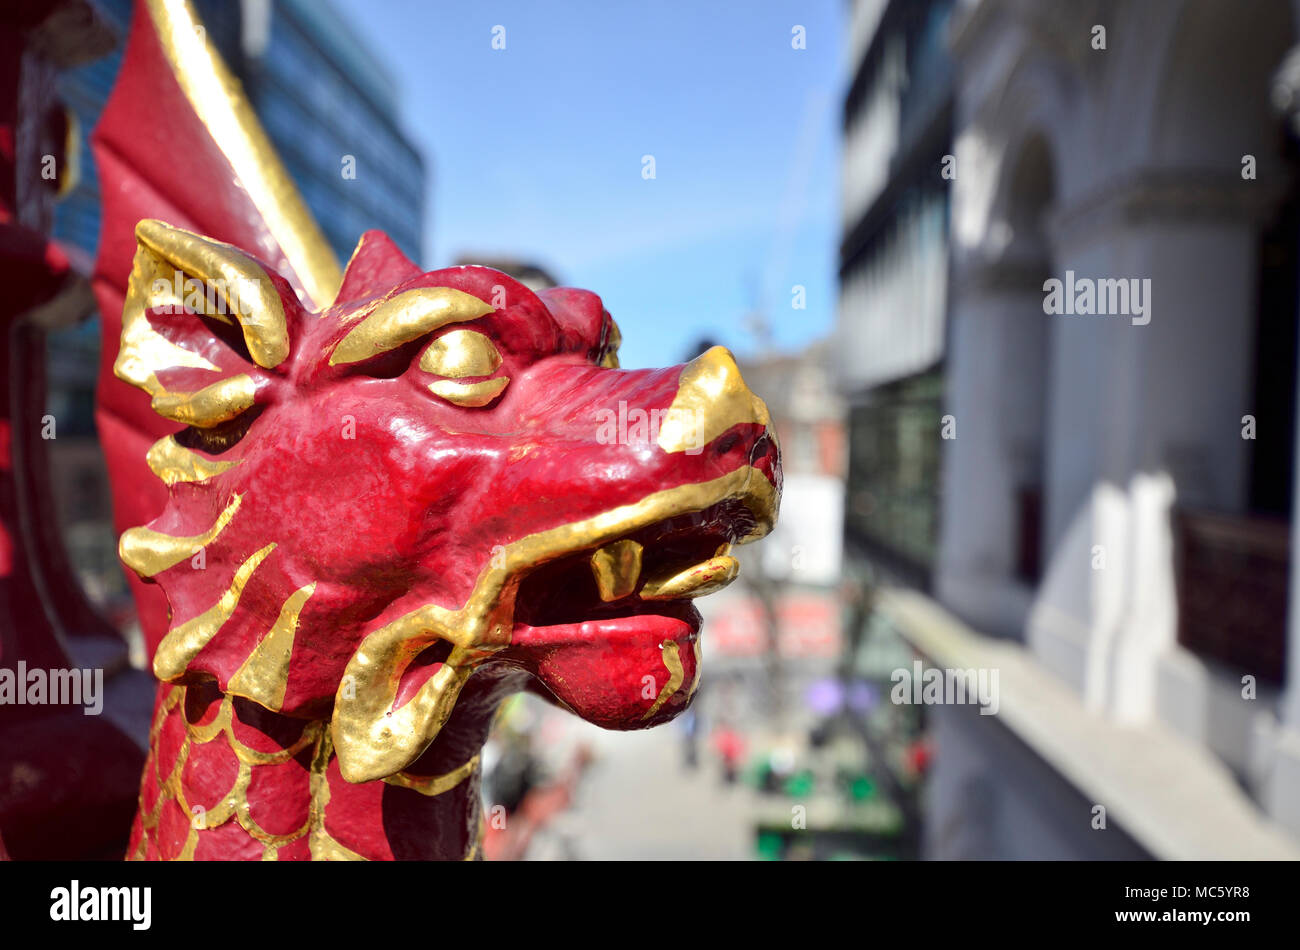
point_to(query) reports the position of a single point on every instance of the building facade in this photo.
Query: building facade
(893, 276)
(1119, 390)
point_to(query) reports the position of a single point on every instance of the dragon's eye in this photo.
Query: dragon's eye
(460, 354)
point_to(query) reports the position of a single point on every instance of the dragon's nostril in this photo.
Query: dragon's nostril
(765, 444)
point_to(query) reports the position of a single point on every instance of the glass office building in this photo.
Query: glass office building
(324, 99)
(331, 110)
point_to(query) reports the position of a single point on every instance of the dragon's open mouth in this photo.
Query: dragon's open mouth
(636, 575)
(643, 581)
(630, 595)
(611, 631)
(599, 611)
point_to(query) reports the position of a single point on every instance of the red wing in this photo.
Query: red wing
(178, 141)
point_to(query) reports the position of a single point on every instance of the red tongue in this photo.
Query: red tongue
(611, 672)
(421, 669)
(416, 675)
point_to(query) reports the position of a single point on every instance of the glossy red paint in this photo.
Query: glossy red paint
(387, 498)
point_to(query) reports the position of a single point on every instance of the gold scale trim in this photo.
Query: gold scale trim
(234, 804)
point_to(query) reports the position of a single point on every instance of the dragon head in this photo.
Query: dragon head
(439, 472)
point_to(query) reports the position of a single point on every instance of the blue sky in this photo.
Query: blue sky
(536, 152)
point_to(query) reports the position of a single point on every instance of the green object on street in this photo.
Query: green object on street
(862, 789)
(799, 784)
(769, 846)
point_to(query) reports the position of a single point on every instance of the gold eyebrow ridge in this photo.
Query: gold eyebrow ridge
(406, 317)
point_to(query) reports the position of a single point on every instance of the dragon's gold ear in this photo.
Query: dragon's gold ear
(184, 281)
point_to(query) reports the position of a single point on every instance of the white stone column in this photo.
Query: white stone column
(995, 387)
(1144, 415)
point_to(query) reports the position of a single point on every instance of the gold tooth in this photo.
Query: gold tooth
(697, 580)
(617, 568)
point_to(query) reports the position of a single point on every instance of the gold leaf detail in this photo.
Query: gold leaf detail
(673, 662)
(149, 552)
(211, 405)
(404, 318)
(469, 394)
(711, 398)
(182, 644)
(143, 351)
(373, 739)
(236, 282)
(173, 463)
(698, 580)
(617, 568)
(264, 676)
(320, 842)
(433, 785)
(461, 353)
(699, 667)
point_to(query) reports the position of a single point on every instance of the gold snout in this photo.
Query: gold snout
(711, 398)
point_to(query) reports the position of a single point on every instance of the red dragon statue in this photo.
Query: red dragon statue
(362, 510)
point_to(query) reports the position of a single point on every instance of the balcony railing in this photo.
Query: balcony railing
(1232, 575)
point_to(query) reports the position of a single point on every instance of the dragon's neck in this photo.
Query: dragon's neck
(227, 779)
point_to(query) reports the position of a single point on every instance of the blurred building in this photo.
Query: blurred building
(1113, 531)
(85, 89)
(893, 277)
(322, 97)
(808, 415)
(329, 106)
(785, 601)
